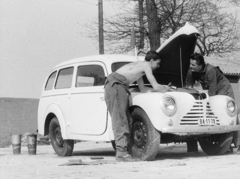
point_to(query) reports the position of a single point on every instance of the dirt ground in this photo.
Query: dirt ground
(172, 161)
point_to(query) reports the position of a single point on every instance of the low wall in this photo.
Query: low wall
(17, 116)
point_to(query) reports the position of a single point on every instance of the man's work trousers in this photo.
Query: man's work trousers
(117, 100)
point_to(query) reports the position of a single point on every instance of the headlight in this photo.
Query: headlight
(231, 108)
(169, 106)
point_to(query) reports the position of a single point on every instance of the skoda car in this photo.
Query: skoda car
(72, 105)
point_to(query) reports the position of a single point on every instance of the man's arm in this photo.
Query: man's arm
(142, 87)
(211, 78)
(153, 82)
(189, 80)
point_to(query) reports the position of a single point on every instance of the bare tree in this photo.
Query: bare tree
(235, 2)
(218, 29)
(160, 19)
(154, 25)
(141, 24)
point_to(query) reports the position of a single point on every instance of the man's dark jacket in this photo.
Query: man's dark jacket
(211, 78)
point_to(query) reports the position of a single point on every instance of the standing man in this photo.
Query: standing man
(118, 97)
(210, 77)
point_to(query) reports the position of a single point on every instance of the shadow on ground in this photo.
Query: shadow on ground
(107, 152)
(169, 152)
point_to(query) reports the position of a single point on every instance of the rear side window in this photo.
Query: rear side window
(90, 75)
(64, 79)
(50, 81)
(116, 66)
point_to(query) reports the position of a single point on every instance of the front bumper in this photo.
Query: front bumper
(196, 130)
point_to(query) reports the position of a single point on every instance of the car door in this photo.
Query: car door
(87, 106)
(61, 94)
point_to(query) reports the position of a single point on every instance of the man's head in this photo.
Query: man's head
(197, 62)
(154, 59)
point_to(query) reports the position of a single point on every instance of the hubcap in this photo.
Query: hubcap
(139, 134)
(58, 137)
(213, 139)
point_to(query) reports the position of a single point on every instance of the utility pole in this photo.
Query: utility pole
(100, 27)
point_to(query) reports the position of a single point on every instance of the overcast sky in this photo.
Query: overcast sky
(36, 35)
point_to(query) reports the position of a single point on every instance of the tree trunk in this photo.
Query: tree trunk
(153, 25)
(141, 29)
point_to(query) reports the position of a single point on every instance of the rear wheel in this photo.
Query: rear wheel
(145, 139)
(60, 146)
(216, 144)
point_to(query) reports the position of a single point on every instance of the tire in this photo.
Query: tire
(216, 144)
(60, 146)
(145, 139)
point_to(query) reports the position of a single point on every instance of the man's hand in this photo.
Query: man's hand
(163, 88)
(170, 88)
(189, 87)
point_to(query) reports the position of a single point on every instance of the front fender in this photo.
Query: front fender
(236, 134)
(219, 106)
(151, 104)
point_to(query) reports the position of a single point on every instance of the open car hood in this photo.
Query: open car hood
(175, 56)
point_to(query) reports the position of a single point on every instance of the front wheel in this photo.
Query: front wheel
(216, 144)
(145, 139)
(60, 146)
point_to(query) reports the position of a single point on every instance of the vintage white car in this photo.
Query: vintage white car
(72, 105)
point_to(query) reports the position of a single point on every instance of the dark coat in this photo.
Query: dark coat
(212, 79)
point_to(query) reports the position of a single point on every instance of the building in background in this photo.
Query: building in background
(231, 69)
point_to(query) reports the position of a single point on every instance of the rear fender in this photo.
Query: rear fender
(53, 110)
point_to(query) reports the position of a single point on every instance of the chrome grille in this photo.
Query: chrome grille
(200, 109)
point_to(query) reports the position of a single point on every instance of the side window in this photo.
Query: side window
(116, 66)
(90, 75)
(50, 81)
(64, 79)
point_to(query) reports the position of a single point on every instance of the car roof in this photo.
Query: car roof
(107, 59)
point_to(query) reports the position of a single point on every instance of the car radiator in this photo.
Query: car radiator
(200, 110)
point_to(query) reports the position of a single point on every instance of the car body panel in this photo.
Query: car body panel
(92, 117)
(86, 117)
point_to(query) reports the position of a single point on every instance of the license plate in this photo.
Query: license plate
(207, 122)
